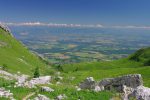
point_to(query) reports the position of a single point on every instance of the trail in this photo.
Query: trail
(28, 96)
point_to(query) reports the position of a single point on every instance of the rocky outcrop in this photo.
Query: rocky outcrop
(128, 86)
(141, 93)
(132, 81)
(8, 76)
(46, 89)
(61, 97)
(37, 81)
(6, 93)
(41, 97)
(5, 28)
(23, 82)
(88, 83)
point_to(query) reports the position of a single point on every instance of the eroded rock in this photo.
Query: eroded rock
(46, 89)
(21, 80)
(88, 83)
(141, 93)
(38, 81)
(132, 81)
(61, 97)
(6, 93)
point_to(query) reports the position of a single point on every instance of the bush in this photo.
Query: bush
(36, 72)
(147, 63)
(4, 67)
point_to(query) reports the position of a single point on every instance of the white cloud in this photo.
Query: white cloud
(132, 27)
(51, 24)
(76, 25)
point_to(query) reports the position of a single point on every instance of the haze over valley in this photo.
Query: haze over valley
(80, 44)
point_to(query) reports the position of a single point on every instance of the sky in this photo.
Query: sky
(105, 12)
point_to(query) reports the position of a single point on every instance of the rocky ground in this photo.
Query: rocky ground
(128, 86)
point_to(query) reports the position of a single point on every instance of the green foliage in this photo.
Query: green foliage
(4, 67)
(36, 72)
(136, 55)
(59, 67)
(5, 83)
(147, 63)
(142, 55)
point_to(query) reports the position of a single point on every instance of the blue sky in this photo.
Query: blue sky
(107, 12)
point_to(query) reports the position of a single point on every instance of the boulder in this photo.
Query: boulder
(98, 88)
(6, 93)
(41, 97)
(126, 92)
(21, 80)
(61, 97)
(141, 93)
(46, 89)
(132, 81)
(88, 83)
(38, 81)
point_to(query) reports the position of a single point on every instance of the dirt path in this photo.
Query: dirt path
(28, 96)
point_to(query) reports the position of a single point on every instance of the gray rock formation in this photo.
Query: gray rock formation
(61, 97)
(98, 88)
(88, 83)
(46, 89)
(21, 80)
(6, 94)
(38, 81)
(132, 81)
(141, 93)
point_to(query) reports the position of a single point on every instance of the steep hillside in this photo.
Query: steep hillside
(14, 57)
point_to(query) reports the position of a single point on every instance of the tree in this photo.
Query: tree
(36, 72)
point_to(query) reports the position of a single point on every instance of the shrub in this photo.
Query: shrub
(36, 72)
(4, 67)
(147, 63)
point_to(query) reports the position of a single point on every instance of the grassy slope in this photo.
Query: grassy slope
(100, 70)
(16, 56)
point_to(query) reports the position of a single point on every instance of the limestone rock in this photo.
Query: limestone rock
(126, 92)
(6, 93)
(141, 93)
(21, 80)
(46, 89)
(39, 80)
(133, 81)
(61, 97)
(88, 83)
(98, 88)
